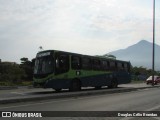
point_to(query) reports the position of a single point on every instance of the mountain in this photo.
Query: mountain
(139, 54)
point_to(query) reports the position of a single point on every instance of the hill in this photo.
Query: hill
(139, 54)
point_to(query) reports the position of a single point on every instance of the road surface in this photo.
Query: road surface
(142, 100)
(26, 92)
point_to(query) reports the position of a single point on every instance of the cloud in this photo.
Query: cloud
(82, 26)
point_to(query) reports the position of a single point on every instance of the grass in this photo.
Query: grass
(137, 81)
(23, 83)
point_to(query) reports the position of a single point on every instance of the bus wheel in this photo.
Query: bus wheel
(114, 84)
(75, 85)
(98, 87)
(58, 90)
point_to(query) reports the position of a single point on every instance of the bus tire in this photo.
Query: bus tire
(114, 84)
(58, 90)
(75, 85)
(98, 87)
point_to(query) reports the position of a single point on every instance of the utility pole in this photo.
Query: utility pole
(153, 54)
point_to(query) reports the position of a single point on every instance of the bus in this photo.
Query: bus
(64, 70)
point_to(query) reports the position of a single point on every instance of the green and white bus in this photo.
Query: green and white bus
(65, 70)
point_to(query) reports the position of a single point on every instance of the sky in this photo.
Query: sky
(91, 27)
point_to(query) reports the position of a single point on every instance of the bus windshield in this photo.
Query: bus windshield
(44, 65)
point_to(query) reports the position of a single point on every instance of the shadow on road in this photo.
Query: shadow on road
(67, 91)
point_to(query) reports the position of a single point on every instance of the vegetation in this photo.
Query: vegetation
(27, 66)
(142, 73)
(16, 74)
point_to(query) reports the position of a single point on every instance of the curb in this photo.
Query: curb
(14, 87)
(8, 87)
(71, 94)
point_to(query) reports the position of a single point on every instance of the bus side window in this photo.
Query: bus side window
(104, 65)
(126, 67)
(120, 66)
(116, 66)
(129, 67)
(76, 62)
(62, 63)
(86, 63)
(112, 65)
(96, 64)
(108, 65)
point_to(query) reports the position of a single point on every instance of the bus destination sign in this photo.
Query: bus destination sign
(43, 54)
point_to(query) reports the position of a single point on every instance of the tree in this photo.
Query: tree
(142, 71)
(27, 66)
(11, 72)
(24, 60)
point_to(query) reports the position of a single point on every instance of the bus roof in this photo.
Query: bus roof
(100, 57)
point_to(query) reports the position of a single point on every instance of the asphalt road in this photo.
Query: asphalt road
(27, 92)
(143, 100)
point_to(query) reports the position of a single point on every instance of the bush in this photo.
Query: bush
(11, 73)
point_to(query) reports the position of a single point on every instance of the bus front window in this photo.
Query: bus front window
(44, 65)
